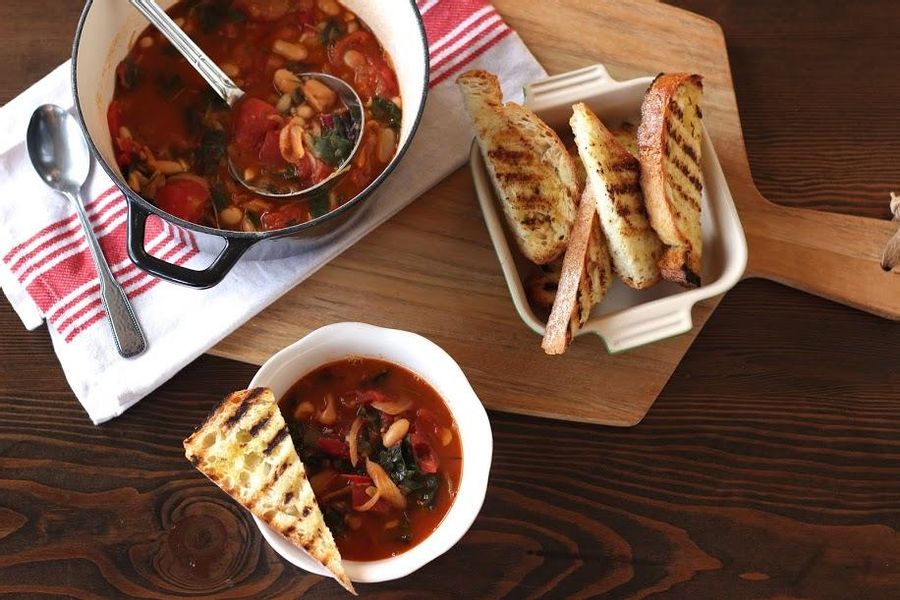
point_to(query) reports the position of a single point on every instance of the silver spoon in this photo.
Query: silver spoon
(60, 155)
(231, 93)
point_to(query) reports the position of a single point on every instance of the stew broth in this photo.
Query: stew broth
(368, 400)
(172, 135)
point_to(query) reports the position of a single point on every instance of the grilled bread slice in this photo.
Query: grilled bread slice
(245, 448)
(586, 275)
(531, 170)
(669, 142)
(613, 173)
(541, 286)
(626, 133)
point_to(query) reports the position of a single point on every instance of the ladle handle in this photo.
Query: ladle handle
(214, 76)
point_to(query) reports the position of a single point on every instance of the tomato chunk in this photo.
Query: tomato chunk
(184, 198)
(370, 396)
(253, 120)
(333, 447)
(426, 424)
(423, 452)
(270, 152)
(283, 216)
(114, 117)
(358, 479)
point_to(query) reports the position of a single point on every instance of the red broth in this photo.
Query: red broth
(172, 134)
(425, 464)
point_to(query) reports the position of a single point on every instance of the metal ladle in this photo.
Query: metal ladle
(231, 93)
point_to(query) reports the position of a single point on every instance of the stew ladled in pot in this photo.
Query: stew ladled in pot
(173, 136)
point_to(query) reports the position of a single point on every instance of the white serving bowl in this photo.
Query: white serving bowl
(424, 358)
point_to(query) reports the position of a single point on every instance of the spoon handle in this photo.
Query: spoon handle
(214, 76)
(126, 331)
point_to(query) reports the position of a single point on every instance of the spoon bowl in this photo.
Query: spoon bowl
(351, 100)
(58, 149)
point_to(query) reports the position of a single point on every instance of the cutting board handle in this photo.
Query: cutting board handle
(830, 255)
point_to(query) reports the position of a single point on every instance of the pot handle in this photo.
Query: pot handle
(208, 277)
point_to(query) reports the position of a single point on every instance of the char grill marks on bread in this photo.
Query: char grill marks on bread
(614, 174)
(586, 276)
(669, 141)
(535, 177)
(245, 448)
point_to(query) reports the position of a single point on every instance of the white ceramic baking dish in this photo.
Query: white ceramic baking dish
(626, 318)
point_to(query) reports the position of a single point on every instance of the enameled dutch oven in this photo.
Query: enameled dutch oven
(105, 33)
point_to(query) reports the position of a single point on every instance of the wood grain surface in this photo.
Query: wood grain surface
(768, 468)
(463, 303)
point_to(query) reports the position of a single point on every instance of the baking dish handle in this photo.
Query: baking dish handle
(205, 278)
(567, 88)
(621, 335)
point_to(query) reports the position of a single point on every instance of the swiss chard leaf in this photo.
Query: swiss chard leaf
(378, 380)
(128, 73)
(399, 462)
(318, 206)
(211, 15)
(212, 149)
(371, 415)
(334, 519)
(428, 492)
(331, 33)
(219, 197)
(386, 112)
(332, 147)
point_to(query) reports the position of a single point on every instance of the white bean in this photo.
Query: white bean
(146, 41)
(395, 433)
(354, 59)
(319, 95)
(290, 51)
(231, 69)
(285, 81)
(387, 143)
(328, 416)
(167, 167)
(284, 103)
(305, 111)
(330, 7)
(230, 216)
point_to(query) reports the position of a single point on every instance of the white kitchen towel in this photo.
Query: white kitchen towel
(46, 270)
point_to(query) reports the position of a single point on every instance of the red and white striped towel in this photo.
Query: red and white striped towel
(47, 273)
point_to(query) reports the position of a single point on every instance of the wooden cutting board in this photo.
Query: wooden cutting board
(432, 270)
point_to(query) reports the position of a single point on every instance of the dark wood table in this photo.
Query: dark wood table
(768, 468)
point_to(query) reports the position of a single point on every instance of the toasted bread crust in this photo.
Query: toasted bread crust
(669, 139)
(245, 448)
(534, 175)
(541, 286)
(614, 174)
(586, 276)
